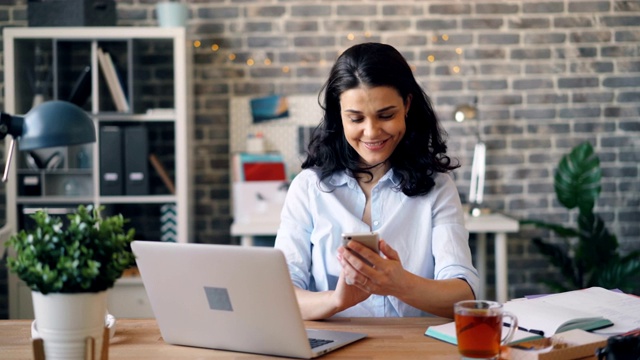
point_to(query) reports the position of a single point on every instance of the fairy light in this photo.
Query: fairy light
(367, 34)
(459, 51)
(351, 36)
(250, 62)
(431, 58)
(445, 37)
(267, 61)
(456, 69)
(232, 57)
(215, 47)
(285, 69)
(197, 43)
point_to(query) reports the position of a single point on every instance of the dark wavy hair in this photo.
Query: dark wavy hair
(422, 151)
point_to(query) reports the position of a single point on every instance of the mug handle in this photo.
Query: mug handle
(512, 328)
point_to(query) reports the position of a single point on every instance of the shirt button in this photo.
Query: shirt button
(376, 223)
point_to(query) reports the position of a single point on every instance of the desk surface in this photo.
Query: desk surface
(388, 338)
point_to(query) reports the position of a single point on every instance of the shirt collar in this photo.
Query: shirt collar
(341, 178)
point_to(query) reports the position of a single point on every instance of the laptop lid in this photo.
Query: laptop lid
(227, 297)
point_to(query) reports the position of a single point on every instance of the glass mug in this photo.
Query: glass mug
(479, 328)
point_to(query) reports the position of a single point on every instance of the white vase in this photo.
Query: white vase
(172, 14)
(64, 321)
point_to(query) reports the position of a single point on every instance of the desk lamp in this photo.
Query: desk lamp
(50, 124)
(470, 112)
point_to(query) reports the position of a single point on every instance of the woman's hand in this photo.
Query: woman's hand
(346, 294)
(385, 275)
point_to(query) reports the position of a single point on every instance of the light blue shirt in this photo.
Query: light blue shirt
(428, 233)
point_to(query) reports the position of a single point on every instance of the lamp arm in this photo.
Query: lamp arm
(12, 125)
(7, 166)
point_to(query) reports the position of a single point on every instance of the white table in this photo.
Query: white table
(495, 223)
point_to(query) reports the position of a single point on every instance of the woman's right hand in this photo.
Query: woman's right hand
(345, 295)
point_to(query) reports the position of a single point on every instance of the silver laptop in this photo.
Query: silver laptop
(229, 298)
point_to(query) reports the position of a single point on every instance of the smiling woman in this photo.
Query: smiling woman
(377, 162)
(374, 124)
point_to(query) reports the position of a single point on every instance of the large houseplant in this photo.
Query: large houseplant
(69, 268)
(586, 255)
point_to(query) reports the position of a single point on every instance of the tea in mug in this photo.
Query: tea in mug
(478, 334)
(479, 328)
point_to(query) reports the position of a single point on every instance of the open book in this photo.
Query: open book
(551, 316)
(594, 309)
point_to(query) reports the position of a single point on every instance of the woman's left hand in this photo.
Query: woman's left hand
(384, 276)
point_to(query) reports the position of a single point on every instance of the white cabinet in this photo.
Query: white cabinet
(153, 65)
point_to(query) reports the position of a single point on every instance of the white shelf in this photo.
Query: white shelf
(19, 54)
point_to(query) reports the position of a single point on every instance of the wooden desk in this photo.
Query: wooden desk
(495, 223)
(388, 339)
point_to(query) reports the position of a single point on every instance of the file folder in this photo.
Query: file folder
(136, 164)
(111, 170)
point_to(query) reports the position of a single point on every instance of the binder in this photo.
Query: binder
(136, 154)
(111, 181)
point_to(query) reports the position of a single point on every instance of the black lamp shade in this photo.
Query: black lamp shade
(55, 123)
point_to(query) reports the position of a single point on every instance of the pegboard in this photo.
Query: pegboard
(280, 135)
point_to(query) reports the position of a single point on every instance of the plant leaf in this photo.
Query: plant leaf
(559, 257)
(558, 229)
(577, 180)
(596, 246)
(621, 274)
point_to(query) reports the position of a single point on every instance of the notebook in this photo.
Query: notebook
(228, 297)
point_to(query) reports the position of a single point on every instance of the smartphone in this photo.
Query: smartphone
(368, 239)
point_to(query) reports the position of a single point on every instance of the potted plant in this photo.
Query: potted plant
(69, 268)
(587, 255)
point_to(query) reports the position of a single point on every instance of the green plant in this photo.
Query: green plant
(587, 255)
(88, 255)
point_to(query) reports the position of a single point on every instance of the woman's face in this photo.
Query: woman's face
(374, 121)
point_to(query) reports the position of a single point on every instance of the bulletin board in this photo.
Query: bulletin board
(282, 135)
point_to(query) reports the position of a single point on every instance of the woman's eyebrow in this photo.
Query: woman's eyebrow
(390, 107)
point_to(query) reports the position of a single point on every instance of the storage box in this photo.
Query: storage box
(572, 344)
(71, 12)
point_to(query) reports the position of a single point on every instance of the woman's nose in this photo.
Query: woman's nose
(371, 128)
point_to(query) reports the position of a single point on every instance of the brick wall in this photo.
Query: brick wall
(547, 75)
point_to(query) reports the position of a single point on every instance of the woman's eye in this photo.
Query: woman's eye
(386, 116)
(356, 119)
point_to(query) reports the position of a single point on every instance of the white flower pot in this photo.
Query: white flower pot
(64, 321)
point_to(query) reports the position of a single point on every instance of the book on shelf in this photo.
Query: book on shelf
(81, 88)
(258, 167)
(162, 172)
(594, 309)
(113, 80)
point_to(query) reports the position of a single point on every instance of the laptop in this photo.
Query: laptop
(229, 297)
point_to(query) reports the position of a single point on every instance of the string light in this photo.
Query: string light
(250, 62)
(215, 47)
(431, 58)
(459, 51)
(197, 43)
(232, 57)
(285, 69)
(351, 36)
(267, 61)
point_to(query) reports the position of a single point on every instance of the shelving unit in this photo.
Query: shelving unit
(154, 64)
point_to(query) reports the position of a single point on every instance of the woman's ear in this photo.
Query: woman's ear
(407, 105)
